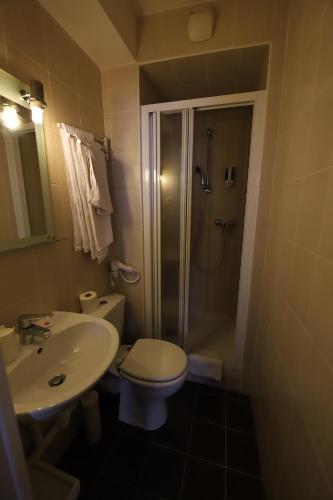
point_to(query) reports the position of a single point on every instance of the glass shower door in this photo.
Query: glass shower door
(170, 212)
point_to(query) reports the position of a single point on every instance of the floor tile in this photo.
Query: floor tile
(240, 486)
(242, 452)
(208, 442)
(203, 481)
(213, 390)
(239, 415)
(106, 489)
(131, 463)
(210, 408)
(238, 396)
(163, 473)
(127, 460)
(84, 461)
(174, 434)
(182, 403)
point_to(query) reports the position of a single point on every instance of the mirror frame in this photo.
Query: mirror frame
(10, 88)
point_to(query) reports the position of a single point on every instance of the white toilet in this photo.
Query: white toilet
(145, 374)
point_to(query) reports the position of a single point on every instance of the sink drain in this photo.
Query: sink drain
(57, 379)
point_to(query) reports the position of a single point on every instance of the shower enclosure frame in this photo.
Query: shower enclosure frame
(150, 164)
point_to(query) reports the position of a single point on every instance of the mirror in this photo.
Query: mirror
(25, 212)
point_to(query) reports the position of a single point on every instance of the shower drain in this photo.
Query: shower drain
(57, 379)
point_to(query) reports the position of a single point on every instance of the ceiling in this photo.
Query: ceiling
(104, 28)
(225, 72)
(99, 39)
(148, 7)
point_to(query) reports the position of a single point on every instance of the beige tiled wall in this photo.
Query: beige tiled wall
(238, 23)
(290, 367)
(121, 108)
(33, 46)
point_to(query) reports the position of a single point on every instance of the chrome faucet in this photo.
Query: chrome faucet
(28, 329)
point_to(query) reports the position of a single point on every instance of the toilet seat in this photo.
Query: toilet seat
(154, 362)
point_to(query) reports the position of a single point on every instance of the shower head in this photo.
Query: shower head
(198, 170)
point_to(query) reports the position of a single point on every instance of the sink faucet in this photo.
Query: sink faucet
(28, 329)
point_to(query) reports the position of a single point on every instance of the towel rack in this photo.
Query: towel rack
(103, 141)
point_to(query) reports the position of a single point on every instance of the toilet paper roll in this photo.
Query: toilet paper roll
(89, 302)
(8, 344)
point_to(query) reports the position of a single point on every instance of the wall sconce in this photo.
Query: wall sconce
(36, 100)
(10, 116)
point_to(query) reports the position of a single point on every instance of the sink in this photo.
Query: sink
(49, 375)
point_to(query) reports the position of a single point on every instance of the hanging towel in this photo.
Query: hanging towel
(99, 192)
(91, 223)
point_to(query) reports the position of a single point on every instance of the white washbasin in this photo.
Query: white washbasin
(81, 347)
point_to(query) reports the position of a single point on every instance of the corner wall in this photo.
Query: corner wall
(122, 125)
(290, 348)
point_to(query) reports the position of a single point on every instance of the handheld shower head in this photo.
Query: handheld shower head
(204, 179)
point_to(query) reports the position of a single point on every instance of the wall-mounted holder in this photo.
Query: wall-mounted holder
(117, 270)
(229, 176)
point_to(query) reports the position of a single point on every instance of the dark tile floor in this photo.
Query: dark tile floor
(205, 451)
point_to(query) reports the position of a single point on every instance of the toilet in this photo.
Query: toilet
(144, 374)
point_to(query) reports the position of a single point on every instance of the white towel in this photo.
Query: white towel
(201, 365)
(92, 229)
(99, 192)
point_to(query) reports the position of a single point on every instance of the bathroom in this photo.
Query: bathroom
(217, 117)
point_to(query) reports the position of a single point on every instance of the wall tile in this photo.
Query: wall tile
(88, 79)
(325, 61)
(91, 118)
(314, 390)
(18, 276)
(296, 304)
(65, 103)
(300, 281)
(310, 215)
(123, 92)
(126, 171)
(254, 22)
(284, 209)
(3, 54)
(151, 38)
(124, 131)
(326, 238)
(24, 28)
(60, 52)
(319, 316)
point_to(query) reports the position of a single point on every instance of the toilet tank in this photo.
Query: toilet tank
(111, 308)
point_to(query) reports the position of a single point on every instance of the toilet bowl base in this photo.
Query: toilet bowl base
(139, 409)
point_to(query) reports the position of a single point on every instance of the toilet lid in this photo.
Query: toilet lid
(154, 360)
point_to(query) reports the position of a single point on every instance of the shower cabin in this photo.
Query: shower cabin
(201, 161)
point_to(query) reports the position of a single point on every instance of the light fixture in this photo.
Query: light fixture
(36, 100)
(36, 112)
(10, 116)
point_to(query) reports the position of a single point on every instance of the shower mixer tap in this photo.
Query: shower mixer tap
(224, 223)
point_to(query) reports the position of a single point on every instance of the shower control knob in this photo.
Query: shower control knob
(225, 222)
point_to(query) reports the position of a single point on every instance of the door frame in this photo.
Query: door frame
(258, 101)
